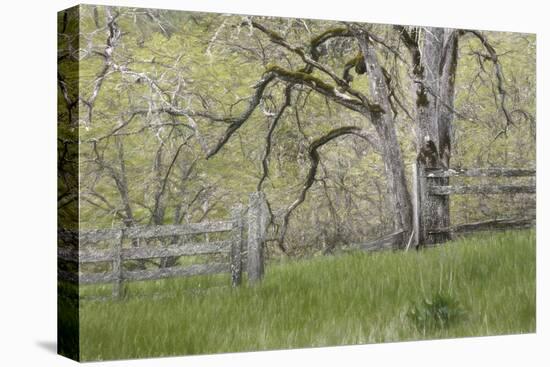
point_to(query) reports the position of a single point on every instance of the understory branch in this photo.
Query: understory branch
(268, 139)
(499, 75)
(314, 159)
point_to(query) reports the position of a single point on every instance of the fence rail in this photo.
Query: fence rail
(82, 249)
(483, 189)
(141, 253)
(431, 191)
(147, 232)
(489, 225)
(479, 172)
(382, 243)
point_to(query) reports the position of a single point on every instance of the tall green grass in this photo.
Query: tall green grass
(484, 284)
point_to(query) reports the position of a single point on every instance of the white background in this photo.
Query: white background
(28, 183)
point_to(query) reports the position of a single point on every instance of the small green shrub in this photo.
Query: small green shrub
(438, 312)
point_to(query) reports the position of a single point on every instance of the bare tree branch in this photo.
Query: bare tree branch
(265, 159)
(236, 122)
(112, 40)
(310, 178)
(499, 75)
(160, 193)
(342, 83)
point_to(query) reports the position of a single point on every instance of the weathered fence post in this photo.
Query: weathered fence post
(416, 176)
(257, 222)
(432, 211)
(236, 245)
(118, 290)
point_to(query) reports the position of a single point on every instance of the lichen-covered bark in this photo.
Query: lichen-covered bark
(435, 209)
(434, 68)
(434, 62)
(399, 196)
(257, 224)
(447, 93)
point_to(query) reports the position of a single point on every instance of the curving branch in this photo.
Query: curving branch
(158, 210)
(330, 91)
(119, 178)
(493, 56)
(340, 93)
(70, 103)
(292, 77)
(310, 61)
(314, 159)
(265, 159)
(236, 122)
(112, 40)
(325, 36)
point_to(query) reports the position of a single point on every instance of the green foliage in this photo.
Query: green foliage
(441, 310)
(210, 62)
(348, 299)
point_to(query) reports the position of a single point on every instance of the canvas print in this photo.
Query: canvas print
(232, 183)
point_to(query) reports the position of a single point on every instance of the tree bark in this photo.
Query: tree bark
(433, 84)
(399, 196)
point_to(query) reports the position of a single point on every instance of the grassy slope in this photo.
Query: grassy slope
(354, 298)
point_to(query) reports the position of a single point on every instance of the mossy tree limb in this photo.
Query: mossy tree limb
(312, 62)
(368, 109)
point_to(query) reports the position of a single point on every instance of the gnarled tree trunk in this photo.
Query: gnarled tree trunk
(433, 84)
(399, 196)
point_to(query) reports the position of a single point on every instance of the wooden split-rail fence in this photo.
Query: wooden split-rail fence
(116, 246)
(430, 186)
(245, 247)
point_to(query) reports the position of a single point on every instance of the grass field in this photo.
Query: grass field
(481, 285)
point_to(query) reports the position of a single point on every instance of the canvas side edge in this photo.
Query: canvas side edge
(68, 323)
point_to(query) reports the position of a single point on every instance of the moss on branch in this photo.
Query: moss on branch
(333, 32)
(300, 77)
(358, 62)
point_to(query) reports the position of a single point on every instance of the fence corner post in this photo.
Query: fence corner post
(236, 245)
(417, 204)
(257, 222)
(118, 289)
(432, 209)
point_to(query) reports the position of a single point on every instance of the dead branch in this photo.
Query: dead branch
(499, 75)
(314, 159)
(268, 139)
